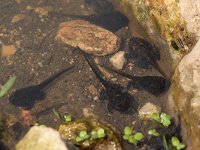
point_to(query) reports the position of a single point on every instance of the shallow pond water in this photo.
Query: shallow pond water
(39, 56)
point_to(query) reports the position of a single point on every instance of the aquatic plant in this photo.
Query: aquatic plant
(160, 127)
(164, 119)
(67, 118)
(130, 137)
(176, 143)
(153, 132)
(83, 135)
(7, 86)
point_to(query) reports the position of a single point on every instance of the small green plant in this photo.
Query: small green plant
(176, 143)
(130, 137)
(7, 86)
(127, 132)
(83, 135)
(153, 132)
(94, 134)
(67, 118)
(56, 113)
(101, 133)
(164, 119)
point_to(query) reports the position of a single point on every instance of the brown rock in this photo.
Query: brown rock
(88, 37)
(8, 50)
(93, 90)
(17, 18)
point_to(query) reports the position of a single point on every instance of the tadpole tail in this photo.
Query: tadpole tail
(122, 73)
(95, 69)
(44, 85)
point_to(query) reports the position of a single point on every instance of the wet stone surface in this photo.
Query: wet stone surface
(38, 57)
(88, 37)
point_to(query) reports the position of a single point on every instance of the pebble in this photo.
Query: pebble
(118, 60)
(148, 109)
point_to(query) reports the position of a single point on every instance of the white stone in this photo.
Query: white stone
(147, 110)
(118, 60)
(185, 94)
(190, 10)
(41, 138)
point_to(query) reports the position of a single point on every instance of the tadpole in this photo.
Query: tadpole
(119, 99)
(152, 84)
(26, 97)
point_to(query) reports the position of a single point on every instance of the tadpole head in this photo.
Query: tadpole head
(26, 97)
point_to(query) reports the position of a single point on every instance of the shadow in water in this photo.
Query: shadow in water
(153, 84)
(112, 21)
(144, 53)
(26, 97)
(100, 6)
(119, 99)
(3, 146)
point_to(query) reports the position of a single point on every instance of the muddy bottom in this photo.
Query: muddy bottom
(39, 56)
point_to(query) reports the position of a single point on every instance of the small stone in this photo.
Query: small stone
(8, 50)
(18, 43)
(118, 60)
(93, 90)
(42, 11)
(88, 37)
(96, 98)
(41, 138)
(27, 117)
(148, 109)
(87, 112)
(17, 18)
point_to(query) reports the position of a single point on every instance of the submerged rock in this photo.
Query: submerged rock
(88, 37)
(69, 131)
(118, 60)
(185, 95)
(41, 138)
(148, 109)
(165, 24)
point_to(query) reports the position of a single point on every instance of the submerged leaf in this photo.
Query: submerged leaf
(7, 86)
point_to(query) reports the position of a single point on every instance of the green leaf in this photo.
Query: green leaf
(155, 116)
(126, 137)
(128, 130)
(56, 113)
(79, 139)
(132, 140)
(175, 141)
(67, 118)
(7, 86)
(94, 134)
(83, 134)
(138, 136)
(180, 146)
(101, 133)
(165, 143)
(165, 119)
(153, 132)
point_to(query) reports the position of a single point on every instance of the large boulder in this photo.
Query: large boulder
(41, 138)
(174, 28)
(185, 96)
(168, 24)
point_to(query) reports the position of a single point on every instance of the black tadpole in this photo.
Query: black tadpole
(152, 84)
(26, 97)
(119, 99)
(147, 52)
